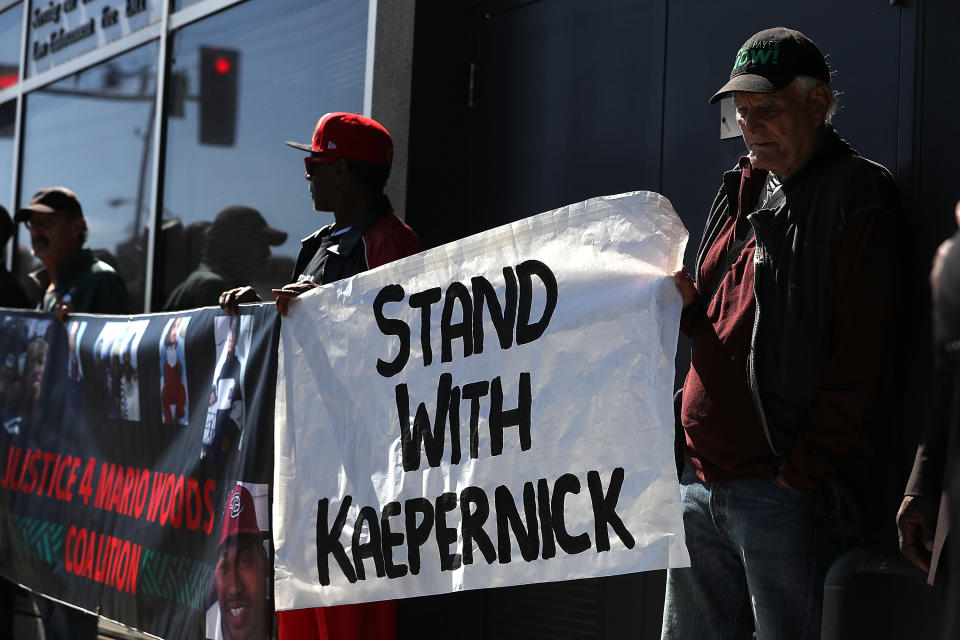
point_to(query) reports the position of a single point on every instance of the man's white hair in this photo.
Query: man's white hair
(809, 83)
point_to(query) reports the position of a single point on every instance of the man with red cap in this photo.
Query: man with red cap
(348, 166)
(242, 573)
(791, 315)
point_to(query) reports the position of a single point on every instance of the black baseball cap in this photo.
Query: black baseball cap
(769, 60)
(238, 219)
(50, 200)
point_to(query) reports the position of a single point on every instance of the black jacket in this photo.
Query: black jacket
(796, 338)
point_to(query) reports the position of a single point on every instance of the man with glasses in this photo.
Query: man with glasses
(793, 321)
(349, 162)
(73, 279)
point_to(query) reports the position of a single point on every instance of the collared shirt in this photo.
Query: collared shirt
(87, 284)
(377, 238)
(724, 439)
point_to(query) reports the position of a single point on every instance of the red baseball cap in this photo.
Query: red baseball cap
(350, 136)
(239, 516)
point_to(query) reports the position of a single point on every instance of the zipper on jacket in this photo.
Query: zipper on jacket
(751, 358)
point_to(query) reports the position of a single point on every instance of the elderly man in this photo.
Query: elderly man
(791, 310)
(348, 166)
(73, 278)
(242, 573)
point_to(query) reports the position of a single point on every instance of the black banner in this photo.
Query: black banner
(135, 464)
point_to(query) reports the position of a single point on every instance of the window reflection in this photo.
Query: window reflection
(11, 25)
(92, 132)
(59, 31)
(285, 78)
(8, 114)
(180, 4)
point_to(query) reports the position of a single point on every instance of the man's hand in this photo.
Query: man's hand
(230, 299)
(688, 290)
(290, 291)
(916, 524)
(62, 310)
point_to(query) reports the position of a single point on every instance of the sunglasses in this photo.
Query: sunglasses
(310, 161)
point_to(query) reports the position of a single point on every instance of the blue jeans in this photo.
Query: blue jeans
(758, 560)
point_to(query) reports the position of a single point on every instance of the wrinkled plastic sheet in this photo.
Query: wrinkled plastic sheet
(600, 447)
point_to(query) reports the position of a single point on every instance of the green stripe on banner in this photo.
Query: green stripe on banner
(43, 539)
(175, 578)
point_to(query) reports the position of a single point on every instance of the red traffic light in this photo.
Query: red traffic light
(222, 65)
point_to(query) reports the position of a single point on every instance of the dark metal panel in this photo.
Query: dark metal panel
(541, 104)
(565, 105)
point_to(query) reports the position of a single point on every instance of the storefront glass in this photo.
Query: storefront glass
(288, 62)
(8, 114)
(180, 4)
(93, 132)
(65, 29)
(11, 24)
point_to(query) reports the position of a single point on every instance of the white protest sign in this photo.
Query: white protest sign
(492, 412)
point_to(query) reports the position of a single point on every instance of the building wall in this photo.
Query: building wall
(541, 104)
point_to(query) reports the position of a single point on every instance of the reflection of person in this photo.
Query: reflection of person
(796, 288)
(236, 249)
(11, 295)
(173, 395)
(348, 166)
(923, 520)
(74, 280)
(225, 414)
(242, 571)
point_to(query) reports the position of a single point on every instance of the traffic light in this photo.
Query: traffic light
(219, 69)
(9, 75)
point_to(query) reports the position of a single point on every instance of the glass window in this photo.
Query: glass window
(180, 4)
(8, 114)
(11, 25)
(93, 132)
(63, 30)
(264, 67)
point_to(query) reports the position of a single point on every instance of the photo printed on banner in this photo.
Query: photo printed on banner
(74, 397)
(115, 358)
(173, 375)
(241, 577)
(75, 331)
(23, 354)
(223, 427)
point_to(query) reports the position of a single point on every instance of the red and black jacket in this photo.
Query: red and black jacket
(377, 238)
